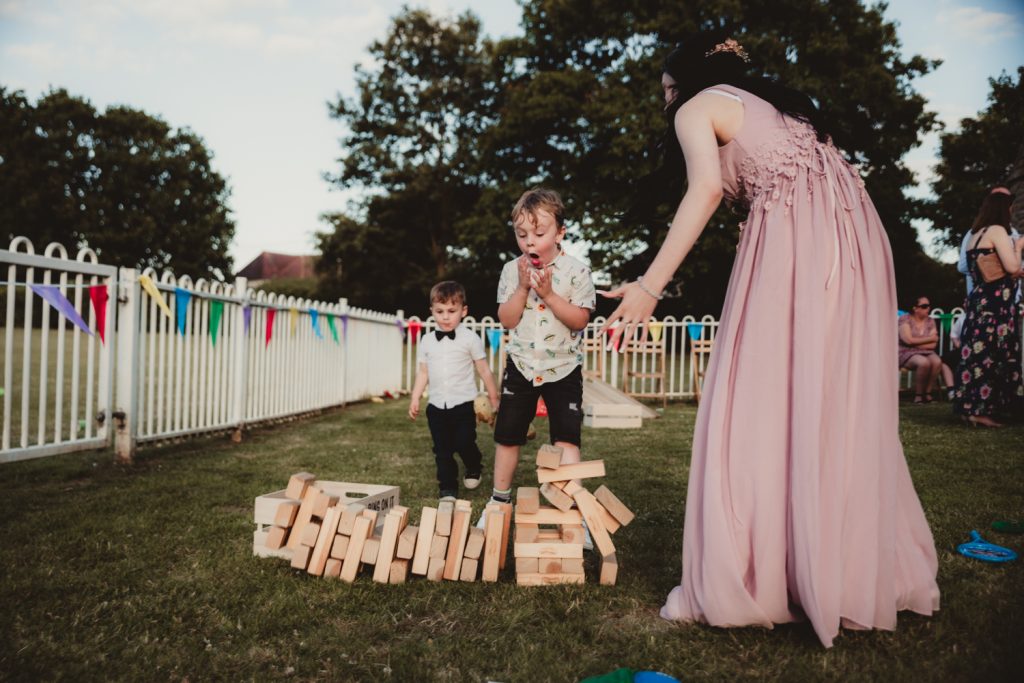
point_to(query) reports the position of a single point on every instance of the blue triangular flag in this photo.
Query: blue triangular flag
(181, 299)
(314, 319)
(494, 337)
(693, 329)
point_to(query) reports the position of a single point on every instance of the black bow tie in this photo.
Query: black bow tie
(441, 335)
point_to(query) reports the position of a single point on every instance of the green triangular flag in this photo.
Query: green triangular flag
(334, 330)
(946, 321)
(216, 311)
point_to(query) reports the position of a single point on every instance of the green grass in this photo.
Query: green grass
(146, 572)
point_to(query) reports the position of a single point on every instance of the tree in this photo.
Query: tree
(981, 154)
(121, 182)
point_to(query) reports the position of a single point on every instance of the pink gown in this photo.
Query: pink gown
(800, 502)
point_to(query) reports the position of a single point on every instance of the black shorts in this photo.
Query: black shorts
(518, 407)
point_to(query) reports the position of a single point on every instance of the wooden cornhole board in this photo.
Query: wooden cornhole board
(373, 496)
(606, 406)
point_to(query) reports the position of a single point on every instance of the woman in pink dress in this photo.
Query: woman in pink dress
(799, 503)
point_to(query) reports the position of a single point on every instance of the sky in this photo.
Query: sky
(253, 78)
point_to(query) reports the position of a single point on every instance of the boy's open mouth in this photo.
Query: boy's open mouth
(534, 259)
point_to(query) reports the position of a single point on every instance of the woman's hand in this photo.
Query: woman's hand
(635, 311)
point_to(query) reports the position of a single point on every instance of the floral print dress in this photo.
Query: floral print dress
(988, 379)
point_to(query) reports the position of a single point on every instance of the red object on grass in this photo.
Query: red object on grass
(542, 410)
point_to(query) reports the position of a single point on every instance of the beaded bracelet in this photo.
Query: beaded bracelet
(640, 284)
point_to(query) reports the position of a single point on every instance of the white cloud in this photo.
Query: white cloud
(978, 25)
(44, 56)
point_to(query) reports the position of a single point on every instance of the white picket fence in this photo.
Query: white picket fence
(156, 380)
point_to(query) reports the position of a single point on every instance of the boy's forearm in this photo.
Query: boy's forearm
(511, 312)
(487, 376)
(418, 386)
(570, 315)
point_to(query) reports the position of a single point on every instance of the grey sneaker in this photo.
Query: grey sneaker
(472, 481)
(446, 496)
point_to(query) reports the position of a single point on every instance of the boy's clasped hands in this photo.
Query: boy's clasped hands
(537, 279)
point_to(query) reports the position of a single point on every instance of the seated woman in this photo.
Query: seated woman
(919, 337)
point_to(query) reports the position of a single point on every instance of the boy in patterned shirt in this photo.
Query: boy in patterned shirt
(545, 298)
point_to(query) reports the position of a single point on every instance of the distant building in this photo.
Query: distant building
(271, 266)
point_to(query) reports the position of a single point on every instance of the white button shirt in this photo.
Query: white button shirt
(541, 346)
(451, 375)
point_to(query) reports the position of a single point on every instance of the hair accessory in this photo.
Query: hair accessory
(999, 190)
(730, 45)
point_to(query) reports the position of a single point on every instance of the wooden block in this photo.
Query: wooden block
(277, 537)
(545, 550)
(399, 571)
(549, 536)
(527, 500)
(348, 518)
(333, 567)
(549, 457)
(526, 533)
(492, 545)
(525, 579)
(322, 549)
(457, 544)
(360, 532)
(609, 570)
(421, 556)
(373, 516)
(506, 509)
(370, 550)
(569, 487)
(340, 546)
(310, 533)
(286, 513)
(303, 517)
(610, 523)
(394, 524)
(435, 570)
(572, 533)
(300, 556)
(323, 502)
(572, 565)
(298, 483)
(556, 497)
(613, 505)
(589, 507)
(445, 510)
(527, 565)
(468, 570)
(474, 543)
(578, 470)
(407, 542)
(550, 565)
(549, 515)
(438, 547)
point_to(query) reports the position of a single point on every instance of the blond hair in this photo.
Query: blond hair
(536, 199)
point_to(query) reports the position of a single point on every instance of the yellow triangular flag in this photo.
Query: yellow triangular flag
(293, 318)
(655, 330)
(150, 287)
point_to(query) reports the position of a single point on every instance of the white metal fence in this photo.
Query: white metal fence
(181, 358)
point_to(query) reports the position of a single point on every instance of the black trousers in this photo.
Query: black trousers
(454, 431)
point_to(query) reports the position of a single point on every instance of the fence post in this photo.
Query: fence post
(400, 314)
(240, 360)
(343, 308)
(126, 381)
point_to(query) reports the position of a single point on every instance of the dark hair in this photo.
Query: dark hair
(446, 291)
(693, 69)
(995, 210)
(539, 198)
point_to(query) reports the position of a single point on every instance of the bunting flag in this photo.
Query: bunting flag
(694, 329)
(494, 337)
(99, 295)
(899, 313)
(344, 326)
(415, 327)
(655, 331)
(293, 320)
(246, 318)
(271, 313)
(51, 294)
(334, 330)
(150, 287)
(946, 320)
(216, 311)
(314, 319)
(181, 299)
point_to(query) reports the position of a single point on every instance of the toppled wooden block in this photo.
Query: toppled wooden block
(300, 556)
(348, 518)
(277, 537)
(421, 556)
(310, 533)
(394, 525)
(407, 543)
(549, 515)
(468, 570)
(506, 511)
(610, 523)
(435, 570)
(323, 502)
(609, 570)
(322, 549)
(568, 487)
(340, 546)
(556, 497)
(438, 547)
(371, 549)
(474, 544)
(549, 457)
(492, 544)
(579, 470)
(286, 512)
(589, 507)
(527, 500)
(298, 483)
(332, 568)
(399, 571)
(354, 554)
(457, 545)
(613, 505)
(445, 512)
(303, 517)
(547, 579)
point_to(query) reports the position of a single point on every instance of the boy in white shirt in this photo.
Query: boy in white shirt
(545, 298)
(447, 358)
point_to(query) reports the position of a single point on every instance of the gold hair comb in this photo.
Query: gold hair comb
(730, 45)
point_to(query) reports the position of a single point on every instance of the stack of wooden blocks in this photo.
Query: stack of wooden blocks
(549, 538)
(329, 539)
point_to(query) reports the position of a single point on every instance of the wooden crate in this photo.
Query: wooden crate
(612, 416)
(373, 496)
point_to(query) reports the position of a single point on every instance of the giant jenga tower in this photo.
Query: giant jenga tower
(549, 538)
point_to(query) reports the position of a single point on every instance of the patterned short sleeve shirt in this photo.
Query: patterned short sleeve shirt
(541, 346)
